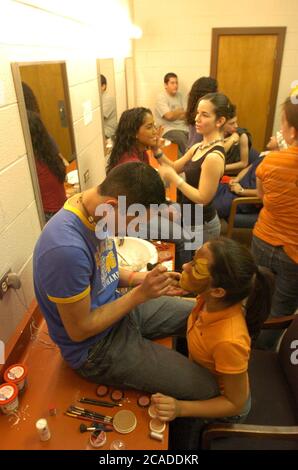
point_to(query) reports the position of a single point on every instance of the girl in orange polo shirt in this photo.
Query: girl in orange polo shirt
(275, 240)
(220, 327)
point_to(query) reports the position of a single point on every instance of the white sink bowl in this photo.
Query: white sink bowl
(135, 253)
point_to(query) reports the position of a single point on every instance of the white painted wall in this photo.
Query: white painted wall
(177, 38)
(33, 34)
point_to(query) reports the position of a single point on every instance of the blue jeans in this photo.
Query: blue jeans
(202, 233)
(285, 298)
(128, 358)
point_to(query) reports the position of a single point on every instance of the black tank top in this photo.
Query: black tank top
(192, 172)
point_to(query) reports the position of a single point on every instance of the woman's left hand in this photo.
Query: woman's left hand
(236, 188)
(167, 408)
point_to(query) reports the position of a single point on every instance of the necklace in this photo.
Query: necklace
(90, 218)
(206, 146)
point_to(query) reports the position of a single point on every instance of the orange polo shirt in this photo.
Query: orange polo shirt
(278, 220)
(219, 340)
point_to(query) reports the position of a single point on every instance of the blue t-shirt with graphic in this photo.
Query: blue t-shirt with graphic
(70, 263)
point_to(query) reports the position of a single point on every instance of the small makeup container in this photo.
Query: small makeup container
(43, 429)
(156, 435)
(17, 374)
(144, 401)
(156, 425)
(117, 395)
(124, 421)
(8, 398)
(98, 439)
(117, 445)
(52, 410)
(152, 411)
(102, 390)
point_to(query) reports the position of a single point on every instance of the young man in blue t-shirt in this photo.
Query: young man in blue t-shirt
(104, 336)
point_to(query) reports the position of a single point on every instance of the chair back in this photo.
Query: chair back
(288, 356)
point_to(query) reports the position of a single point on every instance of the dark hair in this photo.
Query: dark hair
(222, 105)
(30, 99)
(291, 112)
(231, 111)
(199, 88)
(44, 148)
(234, 270)
(125, 138)
(139, 182)
(103, 80)
(168, 76)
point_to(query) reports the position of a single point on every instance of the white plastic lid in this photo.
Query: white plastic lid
(15, 372)
(41, 424)
(8, 392)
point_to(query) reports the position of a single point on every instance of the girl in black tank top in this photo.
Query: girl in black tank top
(202, 174)
(192, 172)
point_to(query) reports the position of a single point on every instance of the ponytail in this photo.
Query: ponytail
(258, 303)
(234, 270)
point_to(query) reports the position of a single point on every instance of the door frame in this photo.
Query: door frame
(280, 32)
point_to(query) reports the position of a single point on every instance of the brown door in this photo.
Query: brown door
(246, 63)
(46, 81)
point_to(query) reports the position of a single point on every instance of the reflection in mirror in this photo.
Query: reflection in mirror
(106, 77)
(43, 93)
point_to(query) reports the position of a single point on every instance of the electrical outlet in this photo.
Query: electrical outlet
(86, 176)
(3, 284)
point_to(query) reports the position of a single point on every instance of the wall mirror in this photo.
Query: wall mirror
(48, 132)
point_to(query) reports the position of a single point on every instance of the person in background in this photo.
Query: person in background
(170, 113)
(243, 185)
(135, 135)
(237, 144)
(203, 165)
(30, 99)
(105, 337)
(200, 87)
(32, 105)
(275, 242)
(276, 142)
(108, 110)
(219, 332)
(49, 166)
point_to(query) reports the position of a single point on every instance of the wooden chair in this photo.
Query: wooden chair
(242, 221)
(273, 420)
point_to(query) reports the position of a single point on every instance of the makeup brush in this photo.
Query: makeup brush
(84, 428)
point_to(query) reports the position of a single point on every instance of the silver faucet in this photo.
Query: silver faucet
(121, 241)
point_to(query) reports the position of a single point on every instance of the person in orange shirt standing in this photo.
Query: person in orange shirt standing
(275, 240)
(219, 332)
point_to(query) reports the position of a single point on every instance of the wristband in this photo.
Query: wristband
(180, 182)
(158, 155)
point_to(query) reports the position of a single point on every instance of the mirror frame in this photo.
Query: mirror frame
(15, 67)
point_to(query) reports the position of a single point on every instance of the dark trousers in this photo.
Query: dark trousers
(128, 358)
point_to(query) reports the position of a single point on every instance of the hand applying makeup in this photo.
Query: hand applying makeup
(169, 175)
